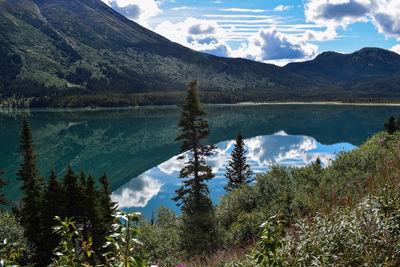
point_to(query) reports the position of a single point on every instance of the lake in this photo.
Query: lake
(136, 147)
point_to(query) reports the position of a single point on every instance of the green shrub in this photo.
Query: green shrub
(13, 232)
(161, 240)
(361, 236)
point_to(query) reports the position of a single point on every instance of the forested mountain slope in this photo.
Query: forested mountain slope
(83, 47)
(82, 53)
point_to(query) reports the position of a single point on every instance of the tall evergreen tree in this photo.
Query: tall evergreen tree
(106, 210)
(239, 171)
(52, 205)
(192, 196)
(92, 205)
(83, 204)
(31, 186)
(3, 200)
(390, 125)
(82, 180)
(92, 220)
(72, 195)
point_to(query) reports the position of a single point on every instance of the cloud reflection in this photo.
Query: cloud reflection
(279, 148)
(172, 165)
(137, 192)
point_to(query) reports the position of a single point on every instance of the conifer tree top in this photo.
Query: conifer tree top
(238, 172)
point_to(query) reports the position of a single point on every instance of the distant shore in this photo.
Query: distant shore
(318, 103)
(247, 103)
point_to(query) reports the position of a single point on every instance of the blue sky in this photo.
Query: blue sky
(270, 31)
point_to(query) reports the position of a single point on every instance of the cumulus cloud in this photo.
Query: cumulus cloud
(385, 14)
(271, 45)
(386, 17)
(396, 49)
(137, 10)
(328, 34)
(138, 192)
(335, 13)
(197, 29)
(282, 8)
(198, 34)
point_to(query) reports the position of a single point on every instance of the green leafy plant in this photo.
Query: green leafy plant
(9, 253)
(122, 242)
(72, 250)
(271, 241)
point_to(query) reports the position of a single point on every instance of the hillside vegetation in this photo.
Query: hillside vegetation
(83, 53)
(61, 49)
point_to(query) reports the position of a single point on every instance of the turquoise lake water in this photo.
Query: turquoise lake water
(136, 147)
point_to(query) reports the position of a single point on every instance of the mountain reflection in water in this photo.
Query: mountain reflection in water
(156, 186)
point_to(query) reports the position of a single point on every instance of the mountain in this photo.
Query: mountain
(349, 69)
(370, 73)
(83, 53)
(59, 49)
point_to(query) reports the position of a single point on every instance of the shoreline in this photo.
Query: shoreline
(327, 103)
(316, 103)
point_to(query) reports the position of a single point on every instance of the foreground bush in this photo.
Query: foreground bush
(74, 250)
(362, 236)
(366, 233)
(13, 233)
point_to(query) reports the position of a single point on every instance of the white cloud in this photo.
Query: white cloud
(276, 47)
(243, 10)
(240, 16)
(200, 35)
(282, 8)
(334, 13)
(386, 17)
(181, 8)
(385, 14)
(396, 49)
(138, 192)
(329, 34)
(137, 10)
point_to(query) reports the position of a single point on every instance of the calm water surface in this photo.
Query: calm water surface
(136, 146)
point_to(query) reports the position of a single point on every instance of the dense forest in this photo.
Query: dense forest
(346, 213)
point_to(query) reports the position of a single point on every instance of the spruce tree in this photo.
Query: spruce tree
(91, 208)
(390, 125)
(192, 196)
(108, 207)
(72, 195)
(52, 205)
(82, 180)
(239, 171)
(31, 186)
(106, 210)
(83, 204)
